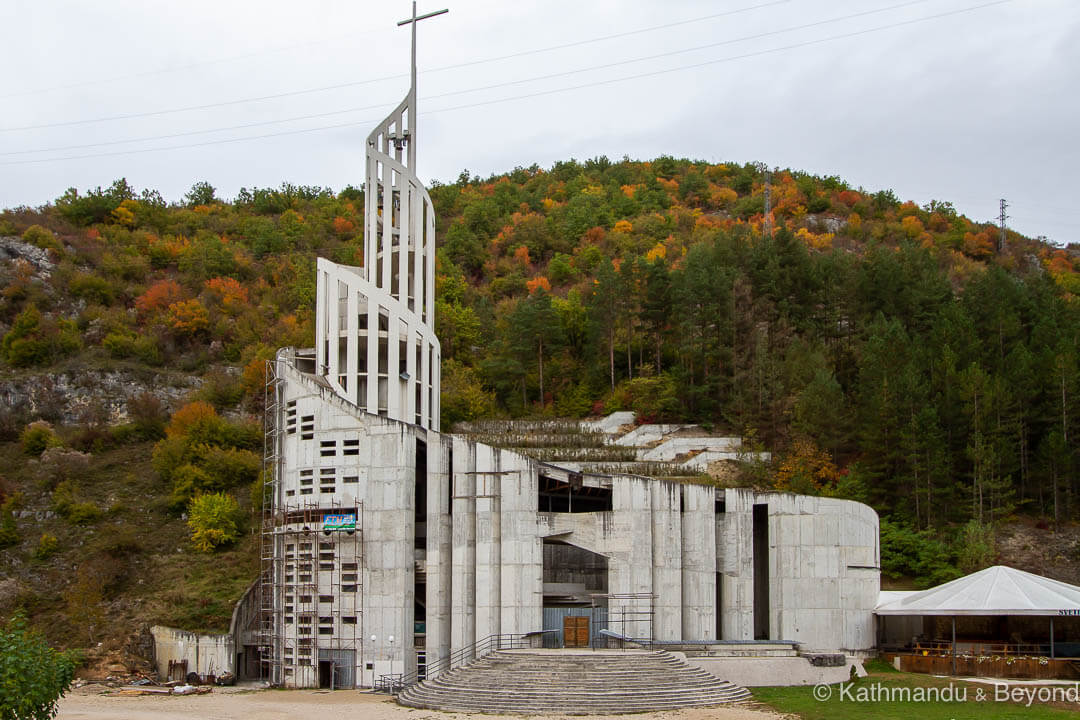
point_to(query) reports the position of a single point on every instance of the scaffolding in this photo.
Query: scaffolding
(627, 612)
(311, 590)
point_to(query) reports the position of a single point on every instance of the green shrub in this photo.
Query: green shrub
(33, 675)
(91, 288)
(66, 504)
(214, 521)
(654, 398)
(23, 345)
(148, 415)
(39, 437)
(975, 546)
(120, 343)
(37, 235)
(221, 389)
(47, 547)
(9, 532)
(126, 344)
(188, 481)
(230, 467)
(34, 340)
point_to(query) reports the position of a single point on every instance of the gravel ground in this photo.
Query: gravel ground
(89, 703)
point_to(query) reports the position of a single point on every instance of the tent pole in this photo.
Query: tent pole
(954, 645)
(1051, 637)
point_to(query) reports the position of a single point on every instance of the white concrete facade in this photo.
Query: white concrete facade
(456, 530)
(680, 558)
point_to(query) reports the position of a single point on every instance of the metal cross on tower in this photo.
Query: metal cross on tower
(414, 20)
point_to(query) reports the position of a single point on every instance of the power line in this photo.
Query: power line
(189, 66)
(683, 51)
(732, 58)
(509, 83)
(598, 83)
(357, 83)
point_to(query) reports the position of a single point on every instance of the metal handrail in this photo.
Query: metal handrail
(395, 683)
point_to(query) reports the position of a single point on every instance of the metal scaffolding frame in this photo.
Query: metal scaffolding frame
(628, 609)
(311, 589)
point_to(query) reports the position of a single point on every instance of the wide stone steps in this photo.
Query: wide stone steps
(572, 683)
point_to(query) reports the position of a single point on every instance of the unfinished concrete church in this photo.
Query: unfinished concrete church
(389, 546)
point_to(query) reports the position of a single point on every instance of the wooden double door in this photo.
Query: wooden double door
(575, 632)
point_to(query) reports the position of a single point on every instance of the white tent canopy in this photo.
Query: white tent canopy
(998, 590)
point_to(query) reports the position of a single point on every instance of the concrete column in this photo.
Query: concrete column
(488, 542)
(737, 565)
(393, 379)
(424, 373)
(373, 356)
(699, 563)
(463, 553)
(522, 550)
(388, 549)
(630, 567)
(439, 548)
(332, 292)
(351, 345)
(667, 561)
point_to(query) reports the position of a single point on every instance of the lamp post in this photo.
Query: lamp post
(374, 659)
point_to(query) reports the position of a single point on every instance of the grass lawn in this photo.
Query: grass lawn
(801, 701)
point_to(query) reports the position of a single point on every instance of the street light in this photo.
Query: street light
(374, 660)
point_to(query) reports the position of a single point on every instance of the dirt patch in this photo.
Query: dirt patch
(1041, 550)
(88, 703)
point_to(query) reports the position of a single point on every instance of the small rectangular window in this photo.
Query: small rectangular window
(290, 417)
(350, 479)
(348, 588)
(348, 620)
(326, 598)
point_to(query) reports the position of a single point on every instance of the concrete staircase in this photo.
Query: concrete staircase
(567, 682)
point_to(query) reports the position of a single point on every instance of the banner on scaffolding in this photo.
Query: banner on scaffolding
(334, 523)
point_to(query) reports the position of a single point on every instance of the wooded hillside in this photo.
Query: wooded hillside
(884, 351)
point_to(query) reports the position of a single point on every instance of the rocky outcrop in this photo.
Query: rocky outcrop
(70, 397)
(13, 249)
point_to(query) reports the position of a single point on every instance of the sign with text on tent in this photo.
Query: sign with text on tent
(345, 521)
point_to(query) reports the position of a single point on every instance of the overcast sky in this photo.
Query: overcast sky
(959, 100)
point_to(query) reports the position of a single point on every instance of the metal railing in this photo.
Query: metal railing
(611, 640)
(395, 683)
